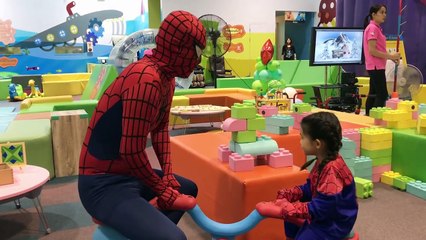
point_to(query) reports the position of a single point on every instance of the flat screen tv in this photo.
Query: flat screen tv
(336, 46)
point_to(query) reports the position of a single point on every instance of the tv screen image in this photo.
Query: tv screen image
(336, 46)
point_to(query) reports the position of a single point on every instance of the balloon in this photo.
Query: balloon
(259, 66)
(264, 75)
(267, 52)
(256, 75)
(423, 1)
(273, 65)
(275, 84)
(259, 87)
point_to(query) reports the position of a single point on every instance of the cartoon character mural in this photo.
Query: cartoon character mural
(88, 26)
(327, 13)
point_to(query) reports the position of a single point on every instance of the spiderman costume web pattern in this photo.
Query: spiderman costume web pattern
(138, 103)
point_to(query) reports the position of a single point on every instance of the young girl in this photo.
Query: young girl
(325, 207)
(375, 57)
(289, 51)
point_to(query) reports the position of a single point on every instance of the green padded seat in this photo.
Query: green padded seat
(38, 141)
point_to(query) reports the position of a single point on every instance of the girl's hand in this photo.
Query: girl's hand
(269, 209)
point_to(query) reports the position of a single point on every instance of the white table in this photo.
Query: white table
(186, 112)
(28, 182)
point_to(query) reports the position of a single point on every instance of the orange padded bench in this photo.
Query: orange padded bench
(226, 196)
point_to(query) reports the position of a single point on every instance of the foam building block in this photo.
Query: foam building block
(301, 107)
(417, 188)
(364, 187)
(421, 124)
(244, 136)
(243, 111)
(240, 163)
(380, 123)
(258, 123)
(348, 152)
(263, 145)
(392, 103)
(298, 119)
(409, 106)
(224, 152)
(363, 167)
(280, 120)
(376, 138)
(377, 112)
(400, 182)
(234, 125)
(355, 136)
(267, 111)
(396, 115)
(387, 177)
(378, 170)
(280, 158)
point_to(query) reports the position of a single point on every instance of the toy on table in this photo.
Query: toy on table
(35, 91)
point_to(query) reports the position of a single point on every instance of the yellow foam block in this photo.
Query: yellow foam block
(397, 115)
(375, 134)
(376, 145)
(420, 97)
(64, 84)
(388, 177)
(179, 101)
(409, 106)
(422, 120)
(402, 124)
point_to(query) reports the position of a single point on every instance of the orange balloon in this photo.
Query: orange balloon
(267, 52)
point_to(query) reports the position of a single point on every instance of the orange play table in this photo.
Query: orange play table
(226, 196)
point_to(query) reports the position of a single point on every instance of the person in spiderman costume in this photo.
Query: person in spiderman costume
(325, 207)
(117, 184)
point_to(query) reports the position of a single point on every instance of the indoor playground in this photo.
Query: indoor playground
(235, 122)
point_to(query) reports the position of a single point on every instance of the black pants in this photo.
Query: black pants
(378, 93)
(121, 202)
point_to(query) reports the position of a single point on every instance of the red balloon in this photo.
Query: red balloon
(423, 1)
(267, 52)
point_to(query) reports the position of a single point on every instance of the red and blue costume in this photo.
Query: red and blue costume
(323, 208)
(116, 179)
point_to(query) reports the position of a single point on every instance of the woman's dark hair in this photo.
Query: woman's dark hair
(373, 9)
(326, 127)
(291, 41)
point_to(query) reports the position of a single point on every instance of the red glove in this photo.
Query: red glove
(293, 210)
(182, 202)
(292, 195)
(269, 209)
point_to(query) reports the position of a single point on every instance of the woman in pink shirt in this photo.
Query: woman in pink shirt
(376, 56)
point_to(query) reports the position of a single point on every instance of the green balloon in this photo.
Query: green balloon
(272, 65)
(259, 66)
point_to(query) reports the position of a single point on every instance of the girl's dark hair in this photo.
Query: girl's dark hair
(291, 41)
(326, 127)
(373, 9)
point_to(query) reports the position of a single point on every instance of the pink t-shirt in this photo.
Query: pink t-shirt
(374, 32)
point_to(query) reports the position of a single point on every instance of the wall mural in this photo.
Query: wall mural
(66, 46)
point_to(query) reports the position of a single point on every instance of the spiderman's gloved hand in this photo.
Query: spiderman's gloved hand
(177, 201)
(171, 181)
(269, 209)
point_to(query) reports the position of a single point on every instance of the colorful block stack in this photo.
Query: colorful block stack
(376, 143)
(392, 103)
(245, 146)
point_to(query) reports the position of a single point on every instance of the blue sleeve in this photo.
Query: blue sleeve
(307, 193)
(322, 206)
